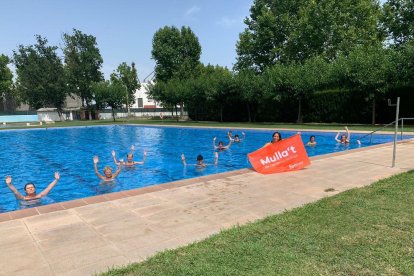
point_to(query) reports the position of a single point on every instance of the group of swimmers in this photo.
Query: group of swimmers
(108, 175)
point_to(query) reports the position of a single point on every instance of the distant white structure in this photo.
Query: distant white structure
(142, 100)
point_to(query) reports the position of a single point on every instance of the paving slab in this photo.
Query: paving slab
(87, 236)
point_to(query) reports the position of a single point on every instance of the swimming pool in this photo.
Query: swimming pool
(35, 154)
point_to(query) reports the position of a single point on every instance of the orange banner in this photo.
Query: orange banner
(286, 155)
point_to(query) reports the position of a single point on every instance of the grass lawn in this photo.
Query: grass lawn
(366, 231)
(334, 127)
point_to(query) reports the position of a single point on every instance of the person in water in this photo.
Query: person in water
(221, 146)
(108, 175)
(200, 161)
(130, 162)
(345, 139)
(30, 189)
(276, 137)
(312, 141)
(236, 137)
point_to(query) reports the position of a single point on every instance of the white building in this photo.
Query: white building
(142, 100)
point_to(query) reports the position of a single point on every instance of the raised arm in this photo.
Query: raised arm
(183, 159)
(121, 161)
(50, 186)
(214, 142)
(228, 145)
(348, 134)
(132, 149)
(230, 135)
(95, 166)
(143, 158)
(243, 136)
(336, 137)
(114, 157)
(12, 188)
(216, 158)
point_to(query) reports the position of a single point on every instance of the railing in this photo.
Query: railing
(387, 125)
(395, 134)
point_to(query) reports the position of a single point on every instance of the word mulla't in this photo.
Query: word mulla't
(278, 155)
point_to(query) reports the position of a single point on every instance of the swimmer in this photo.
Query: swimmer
(345, 139)
(130, 162)
(220, 145)
(276, 137)
(30, 189)
(108, 176)
(312, 141)
(236, 138)
(200, 161)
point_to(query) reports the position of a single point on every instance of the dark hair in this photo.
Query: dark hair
(30, 183)
(132, 156)
(236, 136)
(199, 157)
(277, 132)
(311, 137)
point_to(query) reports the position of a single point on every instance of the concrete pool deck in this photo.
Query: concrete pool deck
(90, 235)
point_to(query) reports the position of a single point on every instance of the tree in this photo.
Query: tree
(176, 53)
(109, 94)
(127, 75)
(299, 81)
(41, 78)
(251, 88)
(83, 63)
(6, 80)
(284, 31)
(369, 70)
(220, 87)
(398, 20)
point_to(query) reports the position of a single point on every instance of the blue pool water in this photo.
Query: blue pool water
(34, 155)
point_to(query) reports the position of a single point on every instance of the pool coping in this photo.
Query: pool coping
(18, 214)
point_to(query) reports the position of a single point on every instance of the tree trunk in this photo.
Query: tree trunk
(113, 114)
(176, 113)
(221, 113)
(182, 110)
(373, 110)
(248, 112)
(299, 120)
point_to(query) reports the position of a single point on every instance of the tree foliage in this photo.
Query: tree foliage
(398, 20)
(83, 63)
(284, 31)
(41, 78)
(369, 69)
(176, 53)
(6, 79)
(127, 76)
(109, 94)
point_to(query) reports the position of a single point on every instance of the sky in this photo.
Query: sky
(124, 29)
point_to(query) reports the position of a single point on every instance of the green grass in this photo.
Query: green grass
(366, 231)
(229, 125)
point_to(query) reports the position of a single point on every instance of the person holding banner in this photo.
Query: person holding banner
(200, 161)
(220, 145)
(276, 137)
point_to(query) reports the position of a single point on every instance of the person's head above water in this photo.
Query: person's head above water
(129, 157)
(276, 137)
(200, 159)
(108, 172)
(30, 189)
(312, 138)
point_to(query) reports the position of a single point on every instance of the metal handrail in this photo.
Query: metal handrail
(387, 125)
(372, 132)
